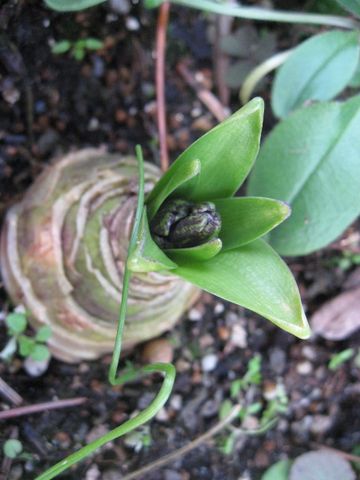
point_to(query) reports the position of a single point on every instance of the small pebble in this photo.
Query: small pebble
(304, 368)
(93, 473)
(209, 362)
(176, 402)
(320, 424)
(120, 6)
(219, 308)
(36, 368)
(194, 315)
(238, 336)
(277, 360)
(309, 352)
(158, 351)
(162, 415)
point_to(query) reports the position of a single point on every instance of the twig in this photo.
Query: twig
(40, 407)
(160, 82)
(223, 27)
(187, 448)
(204, 95)
(10, 394)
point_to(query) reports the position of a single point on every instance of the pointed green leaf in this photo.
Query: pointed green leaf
(255, 277)
(178, 174)
(43, 334)
(147, 256)
(200, 253)
(246, 218)
(71, 5)
(352, 6)
(318, 69)
(311, 161)
(226, 153)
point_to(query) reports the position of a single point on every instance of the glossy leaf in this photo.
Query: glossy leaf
(226, 153)
(71, 5)
(311, 161)
(352, 6)
(318, 69)
(147, 256)
(255, 277)
(200, 253)
(172, 179)
(246, 218)
(279, 471)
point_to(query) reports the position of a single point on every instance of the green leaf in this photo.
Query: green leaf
(318, 69)
(71, 5)
(311, 161)
(245, 219)
(340, 358)
(226, 153)
(93, 43)
(355, 81)
(60, 47)
(16, 323)
(199, 253)
(147, 256)
(255, 277)
(26, 345)
(12, 448)
(178, 174)
(78, 53)
(352, 6)
(279, 471)
(225, 409)
(43, 334)
(40, 353)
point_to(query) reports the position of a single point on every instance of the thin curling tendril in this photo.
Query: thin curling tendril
(167, 369)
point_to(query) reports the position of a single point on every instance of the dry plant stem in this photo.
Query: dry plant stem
(187, 448)
(160, 82)
(205, 96)
(41, 407)
(223, 25)
(10, 394)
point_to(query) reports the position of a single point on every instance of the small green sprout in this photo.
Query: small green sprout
(339, 358)
(251, 377)
(33, 347)
(14, 449)
(77, 48)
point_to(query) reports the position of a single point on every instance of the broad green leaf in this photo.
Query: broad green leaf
(60, 47)
(147, 256)
(227, 153)
(355, 81)
(318, 69)
(71, 5)
(16, 323)
(177, 174)
(311, 161)
(40, 353)
(201, 252)
(352, 6)
(245, 219)
(279, 471)
(255, 277)
(43, 334)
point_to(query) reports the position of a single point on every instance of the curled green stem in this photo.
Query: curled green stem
(167, 369)
(262, 14)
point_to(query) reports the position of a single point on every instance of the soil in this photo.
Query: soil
(50, 104)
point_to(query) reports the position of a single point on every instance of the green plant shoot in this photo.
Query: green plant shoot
(195, 195)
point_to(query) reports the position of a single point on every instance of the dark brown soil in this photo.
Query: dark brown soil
(52, 103)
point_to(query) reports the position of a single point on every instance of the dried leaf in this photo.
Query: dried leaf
(338, 318)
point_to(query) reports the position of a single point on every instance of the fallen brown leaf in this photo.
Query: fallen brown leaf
(338, 318)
